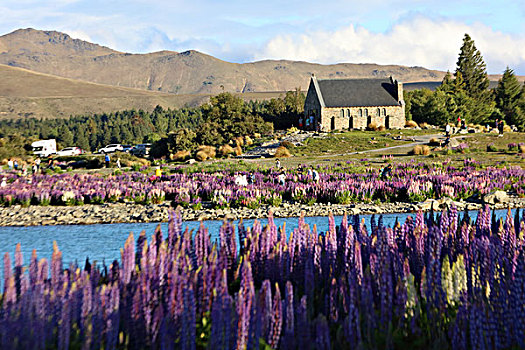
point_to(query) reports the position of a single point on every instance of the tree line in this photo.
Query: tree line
(466, 95)
(222, 119)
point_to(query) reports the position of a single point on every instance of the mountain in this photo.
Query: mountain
(189, 72)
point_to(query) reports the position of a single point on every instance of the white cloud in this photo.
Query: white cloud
(429, 43)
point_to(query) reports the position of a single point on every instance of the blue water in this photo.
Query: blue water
(103, 242)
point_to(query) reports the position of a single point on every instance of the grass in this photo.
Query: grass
(355, 141)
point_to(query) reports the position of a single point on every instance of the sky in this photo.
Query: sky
(409, 32)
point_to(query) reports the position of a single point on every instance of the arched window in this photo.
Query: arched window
(342, 113)
(379, 111)
(366, 112)
(360, 113)
(348, 113)
(384, 111)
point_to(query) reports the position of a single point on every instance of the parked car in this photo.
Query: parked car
(127, 148)
(111, 148)
(70, 151)
(141, 150)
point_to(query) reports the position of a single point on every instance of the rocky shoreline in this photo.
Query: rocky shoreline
(131, 213)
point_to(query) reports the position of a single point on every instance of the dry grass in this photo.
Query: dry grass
(372, 126)
(180, 156)
(282, 152)
(425, 125)
(226, 150)
(522, 149)
(381, 128)
(425, 150)
(248, 141)
(506, 128)
(411, 124)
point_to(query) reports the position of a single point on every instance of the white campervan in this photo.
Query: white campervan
(44, 148)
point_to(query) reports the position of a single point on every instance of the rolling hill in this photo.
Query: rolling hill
(24, 93)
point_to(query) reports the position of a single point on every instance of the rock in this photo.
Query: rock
(496, 197)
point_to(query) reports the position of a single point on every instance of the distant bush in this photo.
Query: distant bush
(239, 141)
(287, 144)
(209, 151)
(492, 148)
(420, 150)
(282, 152)
(238, 150)
(248, 141)
(226, 150)
(411, 124)
(372, 126)
(522, 148)
(180, 156)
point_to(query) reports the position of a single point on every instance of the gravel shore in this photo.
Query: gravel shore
(125, 213)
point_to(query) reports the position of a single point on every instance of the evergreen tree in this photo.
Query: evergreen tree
(473, 70)
(509, 99)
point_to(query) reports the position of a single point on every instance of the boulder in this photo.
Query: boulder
(496, 197)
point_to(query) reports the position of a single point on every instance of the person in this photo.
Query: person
(500, 128)
(309, 173)
(387, 171)
(447, 130)
(15, 164)
(282, 178)
(10, 164)
(107, 159)
(4, 182)
(463, 124)
(459, 122)
(312, 122)
(118, 163)
(252, 179)
(158, 172)
(278, 164)
(37, 164)
(300, 122)
(316, 175)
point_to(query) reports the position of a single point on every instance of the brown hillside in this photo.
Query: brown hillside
(181, 73)
(28, 94)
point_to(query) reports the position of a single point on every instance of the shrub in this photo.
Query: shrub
(201, 156)
(425, 150)
(506, 128)
(522, 148)
(287, 144)
(434, 142)
(282, 152)
(372, 126)
(424, 125)
(248, 141)
(512, 147)
(491, 148)
(225, 150)
(417, 150)
(381, 128)
(411, 124)
(180, 156)
(239, 141)
(238, 150)
(208, 150)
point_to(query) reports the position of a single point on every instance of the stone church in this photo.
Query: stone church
(336, 104)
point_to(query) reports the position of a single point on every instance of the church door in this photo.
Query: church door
(387, 122)
(332, 124)
(351, 123)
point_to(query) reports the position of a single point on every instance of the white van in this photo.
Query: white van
(44, 148)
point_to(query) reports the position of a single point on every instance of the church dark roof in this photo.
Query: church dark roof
(357, 92)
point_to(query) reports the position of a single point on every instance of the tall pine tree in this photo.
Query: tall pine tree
(510, 99)
(473, 70)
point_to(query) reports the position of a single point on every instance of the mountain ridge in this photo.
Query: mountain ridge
(186, 72)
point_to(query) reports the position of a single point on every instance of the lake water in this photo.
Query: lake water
(103, 242)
